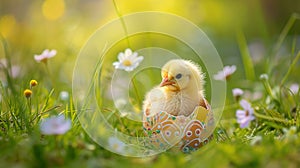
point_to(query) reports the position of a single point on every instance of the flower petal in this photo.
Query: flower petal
(233, 69)
(245, 104)
(219, 76)
(237, 92)
(133, 55)
(121, 56)
(45, 52)
(128, 52)
(55, 125)
(138, 59)
(38, 58)
(244, 124)
(52, 53)
(240, 113)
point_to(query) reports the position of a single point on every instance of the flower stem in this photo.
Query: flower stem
(49, 74)
(122, 22)
(265, 80)
(246, 58)
(57, 146)
(273, 118)
(27, 117)
(285, 31)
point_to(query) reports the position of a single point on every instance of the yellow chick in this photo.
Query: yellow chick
(180, 91)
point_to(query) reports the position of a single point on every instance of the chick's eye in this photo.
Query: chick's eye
(178, 76)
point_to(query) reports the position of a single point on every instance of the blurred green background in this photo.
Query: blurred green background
(32, 26)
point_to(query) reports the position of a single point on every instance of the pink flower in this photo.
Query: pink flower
(237, 92)
(55, 125)
(245, 116)
(225, 73)
(45, 56)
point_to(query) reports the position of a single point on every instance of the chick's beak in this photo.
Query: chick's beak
(166, 81)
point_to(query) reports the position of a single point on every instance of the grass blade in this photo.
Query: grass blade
(247, 61)
(285, 31)
(290, 68)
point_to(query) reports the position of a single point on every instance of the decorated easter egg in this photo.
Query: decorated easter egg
(184, 133)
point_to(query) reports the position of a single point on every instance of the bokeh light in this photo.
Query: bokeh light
(53, 9)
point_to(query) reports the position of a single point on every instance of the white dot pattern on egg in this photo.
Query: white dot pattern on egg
(185, 133)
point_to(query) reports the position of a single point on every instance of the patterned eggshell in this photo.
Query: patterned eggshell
(185, 133)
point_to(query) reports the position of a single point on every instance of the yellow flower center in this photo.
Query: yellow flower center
(127, 63)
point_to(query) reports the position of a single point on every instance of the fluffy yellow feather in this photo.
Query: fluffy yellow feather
(180, 91)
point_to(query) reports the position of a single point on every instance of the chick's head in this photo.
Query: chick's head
(181, 75)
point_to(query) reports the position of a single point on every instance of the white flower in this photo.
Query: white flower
(246, 115)
(64, 95)
(225, 73)
(55, 125)
(294, 88)
(116, 144)
(128, 60)
(45, 56)
(237, 92)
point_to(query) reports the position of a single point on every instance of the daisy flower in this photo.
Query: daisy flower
(225, 73)
(116, 144)
(45, 56)
(237, 93)
(128, 60)
(55, 125)
(246, 115)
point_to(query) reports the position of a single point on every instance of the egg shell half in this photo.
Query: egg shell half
(184, 133)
